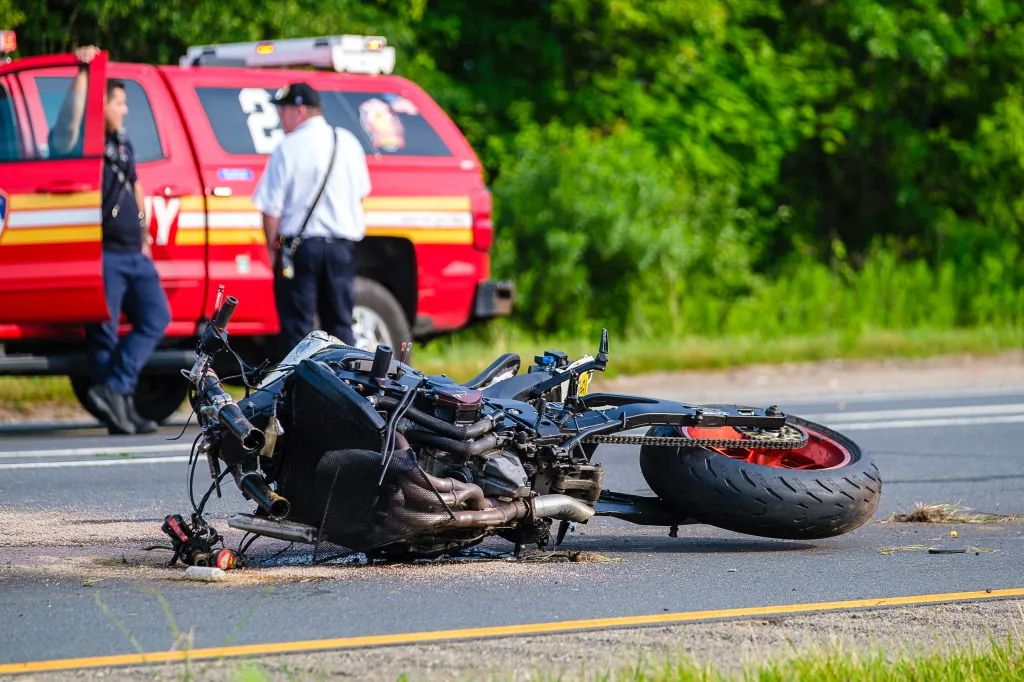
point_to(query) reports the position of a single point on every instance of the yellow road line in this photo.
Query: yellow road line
(498, 631)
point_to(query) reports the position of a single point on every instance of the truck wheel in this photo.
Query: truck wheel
(156, 397)
(378, 318)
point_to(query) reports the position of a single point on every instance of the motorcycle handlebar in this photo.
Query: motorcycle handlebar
(231, 417)
(220, 321)
(228, 413)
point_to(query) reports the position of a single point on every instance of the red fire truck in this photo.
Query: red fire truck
(202, 131)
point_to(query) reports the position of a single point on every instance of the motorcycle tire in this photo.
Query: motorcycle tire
(722, 487)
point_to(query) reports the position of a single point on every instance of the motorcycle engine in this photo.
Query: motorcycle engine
(498, 472)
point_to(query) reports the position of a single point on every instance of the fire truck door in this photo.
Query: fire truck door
(50, 184)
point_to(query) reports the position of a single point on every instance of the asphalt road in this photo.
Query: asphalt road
(954, 448)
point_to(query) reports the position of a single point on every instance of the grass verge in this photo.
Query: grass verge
(1000, 662)
(463, 356)
(996, 662)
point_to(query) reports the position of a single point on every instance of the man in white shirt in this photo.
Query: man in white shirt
(311, 197)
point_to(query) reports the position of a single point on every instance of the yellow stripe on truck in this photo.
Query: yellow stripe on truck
(416, 204)
(220, 237)
(229, 204)
(226, 237)
(52, 235)
(424, 235)
(369, 204)
(194, 203)
(29, 202)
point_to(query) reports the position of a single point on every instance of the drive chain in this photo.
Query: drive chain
(787, 438)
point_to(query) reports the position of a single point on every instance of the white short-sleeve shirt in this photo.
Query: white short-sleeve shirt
(295, 172)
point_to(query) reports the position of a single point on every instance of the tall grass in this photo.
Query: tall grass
(995, 662)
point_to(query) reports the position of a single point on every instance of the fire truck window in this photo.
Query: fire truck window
(245, 122)
(52, 91)
(139, 123)
(387, 123)
(11, 146)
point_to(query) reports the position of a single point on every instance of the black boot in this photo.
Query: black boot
(142, 425)
(114, 409)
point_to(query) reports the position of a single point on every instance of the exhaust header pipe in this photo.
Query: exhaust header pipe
(561, 507)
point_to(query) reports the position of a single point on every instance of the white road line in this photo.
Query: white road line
(970, 415)
(94, 463)
(922, 413)
(924, 423)
(98, 450)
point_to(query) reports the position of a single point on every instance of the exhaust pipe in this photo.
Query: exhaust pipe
(282, 530)
(484, 518)
(256, 489)
(561, 507)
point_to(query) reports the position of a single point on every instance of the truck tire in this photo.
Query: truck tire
(379, 318)
(730, 492)
(156, 397)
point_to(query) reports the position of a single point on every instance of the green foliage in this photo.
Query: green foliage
(611, 230)
(711, 167)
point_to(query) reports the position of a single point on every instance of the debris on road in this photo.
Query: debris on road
(950, 513)
(206, 574)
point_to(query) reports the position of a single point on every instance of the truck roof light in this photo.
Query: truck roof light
(344, 53)
(8, 41)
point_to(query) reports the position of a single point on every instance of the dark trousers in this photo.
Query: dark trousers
(324, 284)
(132, 286)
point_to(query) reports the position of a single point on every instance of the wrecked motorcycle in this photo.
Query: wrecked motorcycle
(355, 451)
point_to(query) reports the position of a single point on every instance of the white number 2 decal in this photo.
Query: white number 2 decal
(262, 119)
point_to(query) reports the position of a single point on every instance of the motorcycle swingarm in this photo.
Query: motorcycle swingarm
(637, 411)
(643, 511)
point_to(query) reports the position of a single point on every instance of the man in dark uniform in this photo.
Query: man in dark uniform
(130, 279)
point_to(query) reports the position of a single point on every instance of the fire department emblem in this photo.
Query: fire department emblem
(382, 125)
(5, 203)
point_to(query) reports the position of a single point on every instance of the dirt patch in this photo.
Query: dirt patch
(44, 411)
(61, 545)
(949, 513)
(588, 655)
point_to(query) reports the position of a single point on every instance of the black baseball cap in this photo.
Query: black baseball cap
(296, 94)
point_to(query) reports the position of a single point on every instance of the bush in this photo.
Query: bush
(602, 230)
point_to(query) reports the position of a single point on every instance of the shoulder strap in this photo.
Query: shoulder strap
(327, 176)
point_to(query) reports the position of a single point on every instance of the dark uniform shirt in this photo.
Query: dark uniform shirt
(121, 232)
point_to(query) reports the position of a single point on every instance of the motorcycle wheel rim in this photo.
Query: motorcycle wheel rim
(820, 453)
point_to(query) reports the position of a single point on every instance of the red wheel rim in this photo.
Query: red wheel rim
(821, 452)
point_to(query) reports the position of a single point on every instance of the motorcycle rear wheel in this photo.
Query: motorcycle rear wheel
(827, 488)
